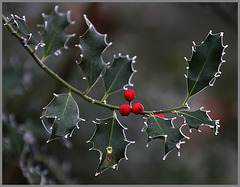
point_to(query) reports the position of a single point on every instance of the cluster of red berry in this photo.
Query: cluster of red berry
(125, 109)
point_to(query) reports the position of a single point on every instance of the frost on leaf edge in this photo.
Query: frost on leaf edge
(165, 136)
(130, 78)
(211, 127)
(49, 130)
(44, 25)
(91, 26)
(115, 166)
(218, 73)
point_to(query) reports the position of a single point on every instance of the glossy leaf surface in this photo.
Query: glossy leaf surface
(205, 63)
(53, 35)
(92, 44)
(118, 75)
(158, 127)
(195, 119)
(109, 134)
(65, 114)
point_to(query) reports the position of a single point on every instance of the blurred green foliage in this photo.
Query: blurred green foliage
(160, 35)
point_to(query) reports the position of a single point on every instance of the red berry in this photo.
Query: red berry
(124, 110)
(160, 115)
(129, 95)
(137, 108)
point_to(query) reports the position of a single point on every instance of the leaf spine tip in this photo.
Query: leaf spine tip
(44, 15)
(134, 58)
(193, 49)
(180, 129)
(82, 119)
(68, 16)
(56, 8)
(16, 16)
(89, 24)
(96, 174)
(24, 18)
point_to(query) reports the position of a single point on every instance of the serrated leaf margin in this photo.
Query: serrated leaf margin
(206, 111)
(91, 26)
(130, 78)
(57, 52)
(165, 136)
(97, 122)
(55, 117)
(218, 73)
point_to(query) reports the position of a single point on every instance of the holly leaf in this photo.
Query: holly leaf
(53, 35)
(92, 45)
(65, 114)
(110, 140)
(162, 128)
(199, 117)
(205, 63)
(22, 29)
(119, 74)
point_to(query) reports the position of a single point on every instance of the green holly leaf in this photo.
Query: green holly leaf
(22, 29)
(53, 35)
(162, 128)
(92, 45)
(64, 111)
(110, 140)
(118, 75)
(195, 119)
(205, 63)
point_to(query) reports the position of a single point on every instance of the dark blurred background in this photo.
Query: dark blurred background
(160, 35)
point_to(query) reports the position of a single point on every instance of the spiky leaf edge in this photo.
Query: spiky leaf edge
(130, 78)
(57, 52)
(100, 157)
(177, 145)
(90, 25)
(217, 74)
(211, 127)
(55, 117)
